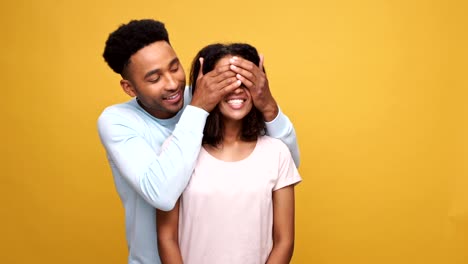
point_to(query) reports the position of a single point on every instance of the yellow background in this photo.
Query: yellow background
(376, 90)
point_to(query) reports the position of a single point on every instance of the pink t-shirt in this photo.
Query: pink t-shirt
(226, 211)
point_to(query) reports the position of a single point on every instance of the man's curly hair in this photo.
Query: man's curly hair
(130, 38)
(253, 124)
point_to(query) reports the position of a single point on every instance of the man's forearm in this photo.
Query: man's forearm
(158, 175)
(282, 128)
(169, 175)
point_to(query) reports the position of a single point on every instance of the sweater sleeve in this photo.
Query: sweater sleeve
(282, 128)
(158, 176)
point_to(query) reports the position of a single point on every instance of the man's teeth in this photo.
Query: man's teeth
(235, 101)
(172, 97)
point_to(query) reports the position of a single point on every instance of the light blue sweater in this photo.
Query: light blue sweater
(148, 176)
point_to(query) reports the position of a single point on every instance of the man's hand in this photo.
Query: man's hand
(254, 79)
(213, 86)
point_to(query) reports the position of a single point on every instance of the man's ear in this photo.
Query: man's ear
(127, 87)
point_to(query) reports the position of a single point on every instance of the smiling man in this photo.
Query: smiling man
(146, 175)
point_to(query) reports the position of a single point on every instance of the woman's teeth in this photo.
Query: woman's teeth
(235, 101)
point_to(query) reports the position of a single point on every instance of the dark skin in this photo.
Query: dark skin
(254, 79)
(226, 78)
(213, 86)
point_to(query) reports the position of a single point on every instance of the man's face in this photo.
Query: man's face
(157, 78)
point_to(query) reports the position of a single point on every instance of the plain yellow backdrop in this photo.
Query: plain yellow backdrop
(376, 90)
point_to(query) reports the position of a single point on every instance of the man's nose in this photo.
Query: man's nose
(171, 82)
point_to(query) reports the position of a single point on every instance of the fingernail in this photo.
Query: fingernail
(233, 67)
(233, 59)
(238, 76)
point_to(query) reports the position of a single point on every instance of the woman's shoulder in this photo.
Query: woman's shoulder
(273, 151)
(272, 144)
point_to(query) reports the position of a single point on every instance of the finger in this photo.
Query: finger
(247, 83)
(244, 73)
(242, 63)
(220, 74)
(228, 81)
(219, 70)
(200, 71)
(245, 68)
(224, 76)
(262, 59)
(230, 88)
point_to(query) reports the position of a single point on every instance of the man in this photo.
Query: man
(147, 174)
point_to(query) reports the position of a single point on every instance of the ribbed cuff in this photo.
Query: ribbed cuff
(278, 126)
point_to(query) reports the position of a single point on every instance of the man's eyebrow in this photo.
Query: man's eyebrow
(174, 61)
(148, 74)
(157, 71)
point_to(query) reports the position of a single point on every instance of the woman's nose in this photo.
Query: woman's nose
(239, 90)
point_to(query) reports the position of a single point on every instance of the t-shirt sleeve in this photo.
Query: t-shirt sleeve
(287, 171)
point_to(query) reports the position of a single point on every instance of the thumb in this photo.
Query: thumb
(200, 71)
(262, 59)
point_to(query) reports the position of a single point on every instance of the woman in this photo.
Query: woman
(239, 204)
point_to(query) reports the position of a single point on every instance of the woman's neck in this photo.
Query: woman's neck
(232, 132)
(233, 147)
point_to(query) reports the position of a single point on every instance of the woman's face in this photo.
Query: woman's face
(236, 105)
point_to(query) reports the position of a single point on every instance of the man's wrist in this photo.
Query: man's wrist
(270, 112)
(198, 105)
(193, 118)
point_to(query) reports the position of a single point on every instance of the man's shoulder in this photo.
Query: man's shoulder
(128, 106)
(127, 111)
